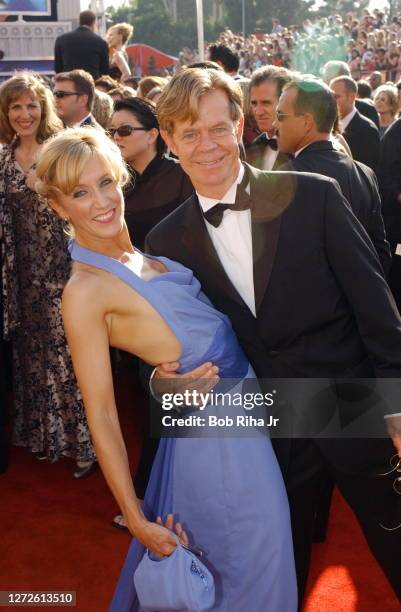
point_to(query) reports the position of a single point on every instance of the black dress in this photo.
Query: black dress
(152, 195)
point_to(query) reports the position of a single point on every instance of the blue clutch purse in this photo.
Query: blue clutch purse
(179, 582)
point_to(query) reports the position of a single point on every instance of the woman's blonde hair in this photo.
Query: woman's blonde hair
(392, 95)
(102, 108)
(179, 100)
(125, 30)
(28, 83)
(65, 156)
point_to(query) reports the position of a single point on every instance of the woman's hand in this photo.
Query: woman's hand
(158, 538)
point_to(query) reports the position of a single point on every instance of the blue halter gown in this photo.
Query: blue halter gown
(227, 491)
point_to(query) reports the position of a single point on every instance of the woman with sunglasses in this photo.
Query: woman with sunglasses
(49, 418)
(158, 185)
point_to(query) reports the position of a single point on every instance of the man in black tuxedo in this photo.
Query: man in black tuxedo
(360, 133)
(264, 91)
(296, 273)
(336, 68)
(74, 93)
(305, 117)
(389, 175)
(82, 48)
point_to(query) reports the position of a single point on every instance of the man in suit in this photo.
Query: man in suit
(305, 117)
(335, 68)
(360, 133)
(82, 48)
(295, 271)
(389, 175)
(264, 91)
(74, 93)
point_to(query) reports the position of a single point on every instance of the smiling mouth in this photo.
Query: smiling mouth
(105, 217)
(211, 162)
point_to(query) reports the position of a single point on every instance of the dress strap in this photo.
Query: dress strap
(103, 262)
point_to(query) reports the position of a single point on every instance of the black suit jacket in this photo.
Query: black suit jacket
(315, 272)
(90, 121)
(363, 139)
(368, 110)
(83, 49)
(358, 184)
(389, 175)
(255, 153)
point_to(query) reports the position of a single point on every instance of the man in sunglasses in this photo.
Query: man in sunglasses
(73, 93)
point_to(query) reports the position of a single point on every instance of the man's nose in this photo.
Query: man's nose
(206, 141)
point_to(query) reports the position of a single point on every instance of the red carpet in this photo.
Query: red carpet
(56, 535)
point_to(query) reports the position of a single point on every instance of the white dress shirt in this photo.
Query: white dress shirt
(343, 123)
(232, 240)
(269, 157)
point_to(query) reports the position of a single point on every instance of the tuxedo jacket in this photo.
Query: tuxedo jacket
(323, 308)
(358, 184)
(363, 139)
(255, 153)
(83, 49)
(389, 175)
(367, 109)
(90, 121)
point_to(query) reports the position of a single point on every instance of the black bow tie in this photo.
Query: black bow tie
(270, 142)
(242, 202)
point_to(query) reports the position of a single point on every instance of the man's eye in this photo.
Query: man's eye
(219, 130)
(189, 136)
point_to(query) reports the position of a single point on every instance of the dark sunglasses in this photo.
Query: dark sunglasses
(63, 94)
(125, 130)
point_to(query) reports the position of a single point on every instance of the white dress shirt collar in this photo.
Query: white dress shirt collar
(301, 149)
(343, 123)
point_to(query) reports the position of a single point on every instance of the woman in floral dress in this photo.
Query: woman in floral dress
(49, 417)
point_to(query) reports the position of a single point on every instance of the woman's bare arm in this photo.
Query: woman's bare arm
(83, 309)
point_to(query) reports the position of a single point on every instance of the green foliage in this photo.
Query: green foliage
(341, 7)
(153, 25)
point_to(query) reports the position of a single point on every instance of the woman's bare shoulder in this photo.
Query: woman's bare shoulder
(85, 289)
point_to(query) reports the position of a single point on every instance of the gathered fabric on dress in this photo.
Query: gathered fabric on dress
(49, 416)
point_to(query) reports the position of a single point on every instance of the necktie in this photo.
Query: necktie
(242, 202)
(265, 140)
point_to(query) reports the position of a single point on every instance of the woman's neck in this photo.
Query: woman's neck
(386, 118)
(141, 162)
(28, 144)
(112, 247)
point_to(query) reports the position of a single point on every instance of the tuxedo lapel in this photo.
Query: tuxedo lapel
(270, 193)
(198, 245)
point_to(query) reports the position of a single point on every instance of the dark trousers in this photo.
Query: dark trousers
(371, 497)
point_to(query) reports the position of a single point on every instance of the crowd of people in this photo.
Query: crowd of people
(369, 42)
(247, 273)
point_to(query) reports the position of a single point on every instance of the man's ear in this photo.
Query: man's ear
(169, 140)
(310, 121)
(240, 128)
(85, 100)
